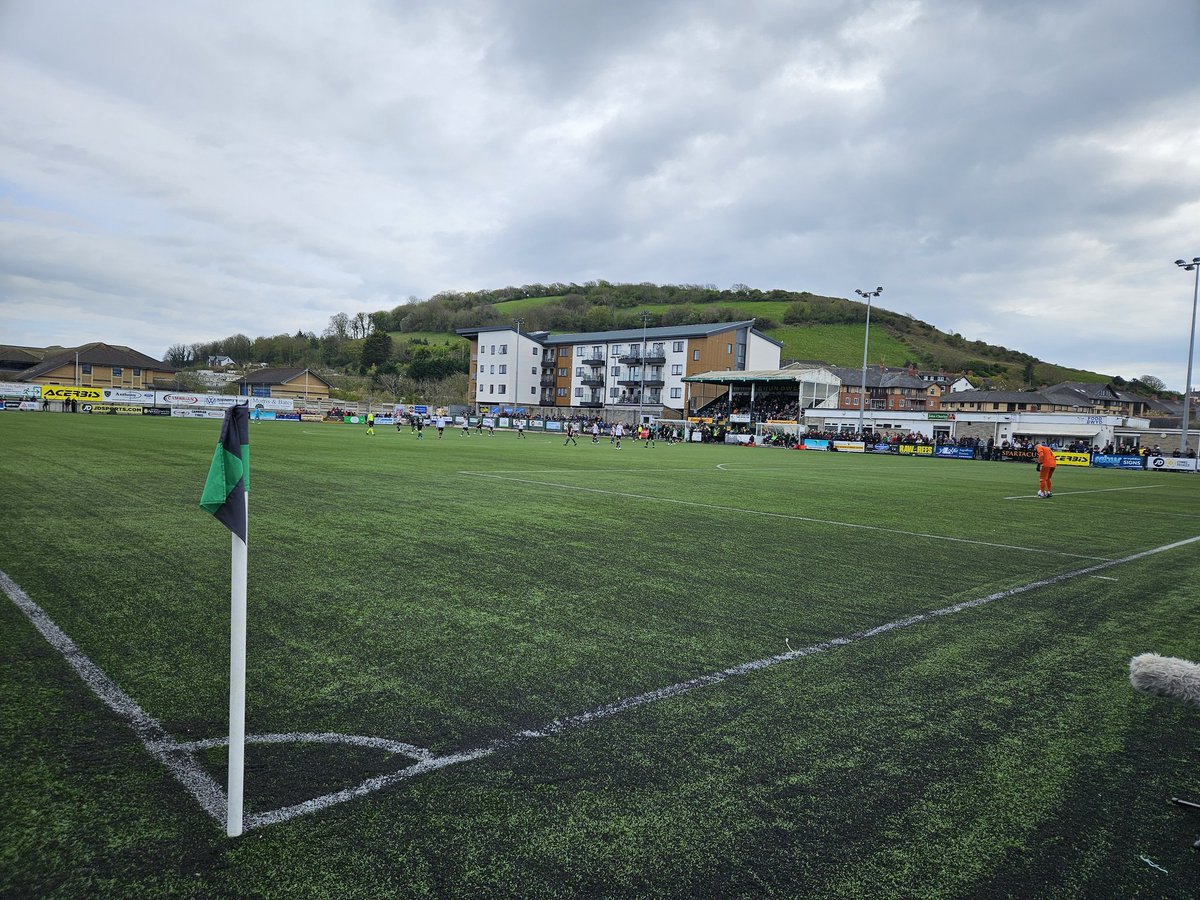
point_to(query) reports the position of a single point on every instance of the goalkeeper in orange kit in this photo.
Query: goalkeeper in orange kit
(1045, 466)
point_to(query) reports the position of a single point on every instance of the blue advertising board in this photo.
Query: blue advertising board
(1113, 461)
(946, 452)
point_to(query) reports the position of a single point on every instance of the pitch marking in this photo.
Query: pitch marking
(1143, 487)
(792, 518)
(181, 763)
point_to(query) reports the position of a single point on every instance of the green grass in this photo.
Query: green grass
(997, 751)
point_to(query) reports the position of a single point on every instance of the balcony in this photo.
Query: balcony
(654, 381)
(591, 403)
(593, 380)
(548, 380)
(594, 361)
(652, 358)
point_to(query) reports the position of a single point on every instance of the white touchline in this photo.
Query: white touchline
(162, 746)
(1140, 487)
(179, 760)
(774, 515)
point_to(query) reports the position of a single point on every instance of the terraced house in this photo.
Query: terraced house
(637, 368)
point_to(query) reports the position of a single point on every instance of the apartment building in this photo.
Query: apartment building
(638, 368)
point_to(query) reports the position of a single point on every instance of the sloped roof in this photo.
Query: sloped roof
(876, 378)
(279, 376)
(96, 354)
(660, 332)
(995, 397)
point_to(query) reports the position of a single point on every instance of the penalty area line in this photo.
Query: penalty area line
(788, 516)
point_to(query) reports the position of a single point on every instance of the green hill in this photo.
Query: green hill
(810, 326)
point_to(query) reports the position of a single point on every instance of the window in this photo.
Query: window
(503, 349)
(676, 370)
(615, 371)
(534, 350)
(87, 368)
(493, 372)
(504, 370)
(597, 351)
(563, 373)
(493, 350)
(579, 392)
(501, 391)
(677, 347)
(616, 349)
(612, 392)
(261, 390)
(533, 370)
(533, 390)
(491, 389)
(676, 393)
(696, 354)
(581, 352)
(579, 371)
(116, 371)
(137, 372)
(728, 349)
(564, 351)
(482, 368)
(562, 392)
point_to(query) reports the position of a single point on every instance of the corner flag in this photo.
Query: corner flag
(226, 496)
(229, 475)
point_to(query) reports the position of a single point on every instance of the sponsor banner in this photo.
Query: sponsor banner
(697, 419)
(1113, 461)
(155, 411)
(179, 413)
(221, 401)
(27, 405)
(112, 409)
(849, 446)
(126, 395)
(916, 450)
(504, 422)
(420, 409)
(939, 416)
(1018, 455)
(489, 422)
(64, 392)
(311, 417)
(815, 444)
(262, 415)
(554, 426)
(881, 448)
(1171, 464)
(379, 420)
(21, 391)
(944, 452)
(740, 418)
(1069, 458)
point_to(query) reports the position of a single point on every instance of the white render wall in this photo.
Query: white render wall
(761, 353)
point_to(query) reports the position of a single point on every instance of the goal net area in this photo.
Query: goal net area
(783, 434)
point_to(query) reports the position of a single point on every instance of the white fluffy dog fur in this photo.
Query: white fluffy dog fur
(1166, 676)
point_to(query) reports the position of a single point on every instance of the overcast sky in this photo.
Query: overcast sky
(1022, 173)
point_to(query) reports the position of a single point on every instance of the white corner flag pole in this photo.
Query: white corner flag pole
(237, 681)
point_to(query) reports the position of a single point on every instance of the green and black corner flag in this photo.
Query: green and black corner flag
(224, 492)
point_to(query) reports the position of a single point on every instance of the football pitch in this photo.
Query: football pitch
(488, 666)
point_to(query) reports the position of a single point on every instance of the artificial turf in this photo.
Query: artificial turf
(453, 594)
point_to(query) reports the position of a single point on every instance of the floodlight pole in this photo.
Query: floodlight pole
(862, 397)
(517, 371)
(642, 367)
(1193, 266)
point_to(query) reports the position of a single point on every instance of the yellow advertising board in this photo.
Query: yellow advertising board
(916, 449)
(1066, 458)
(68, 392)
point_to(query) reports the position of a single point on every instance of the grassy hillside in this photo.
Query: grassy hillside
(808, 325)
